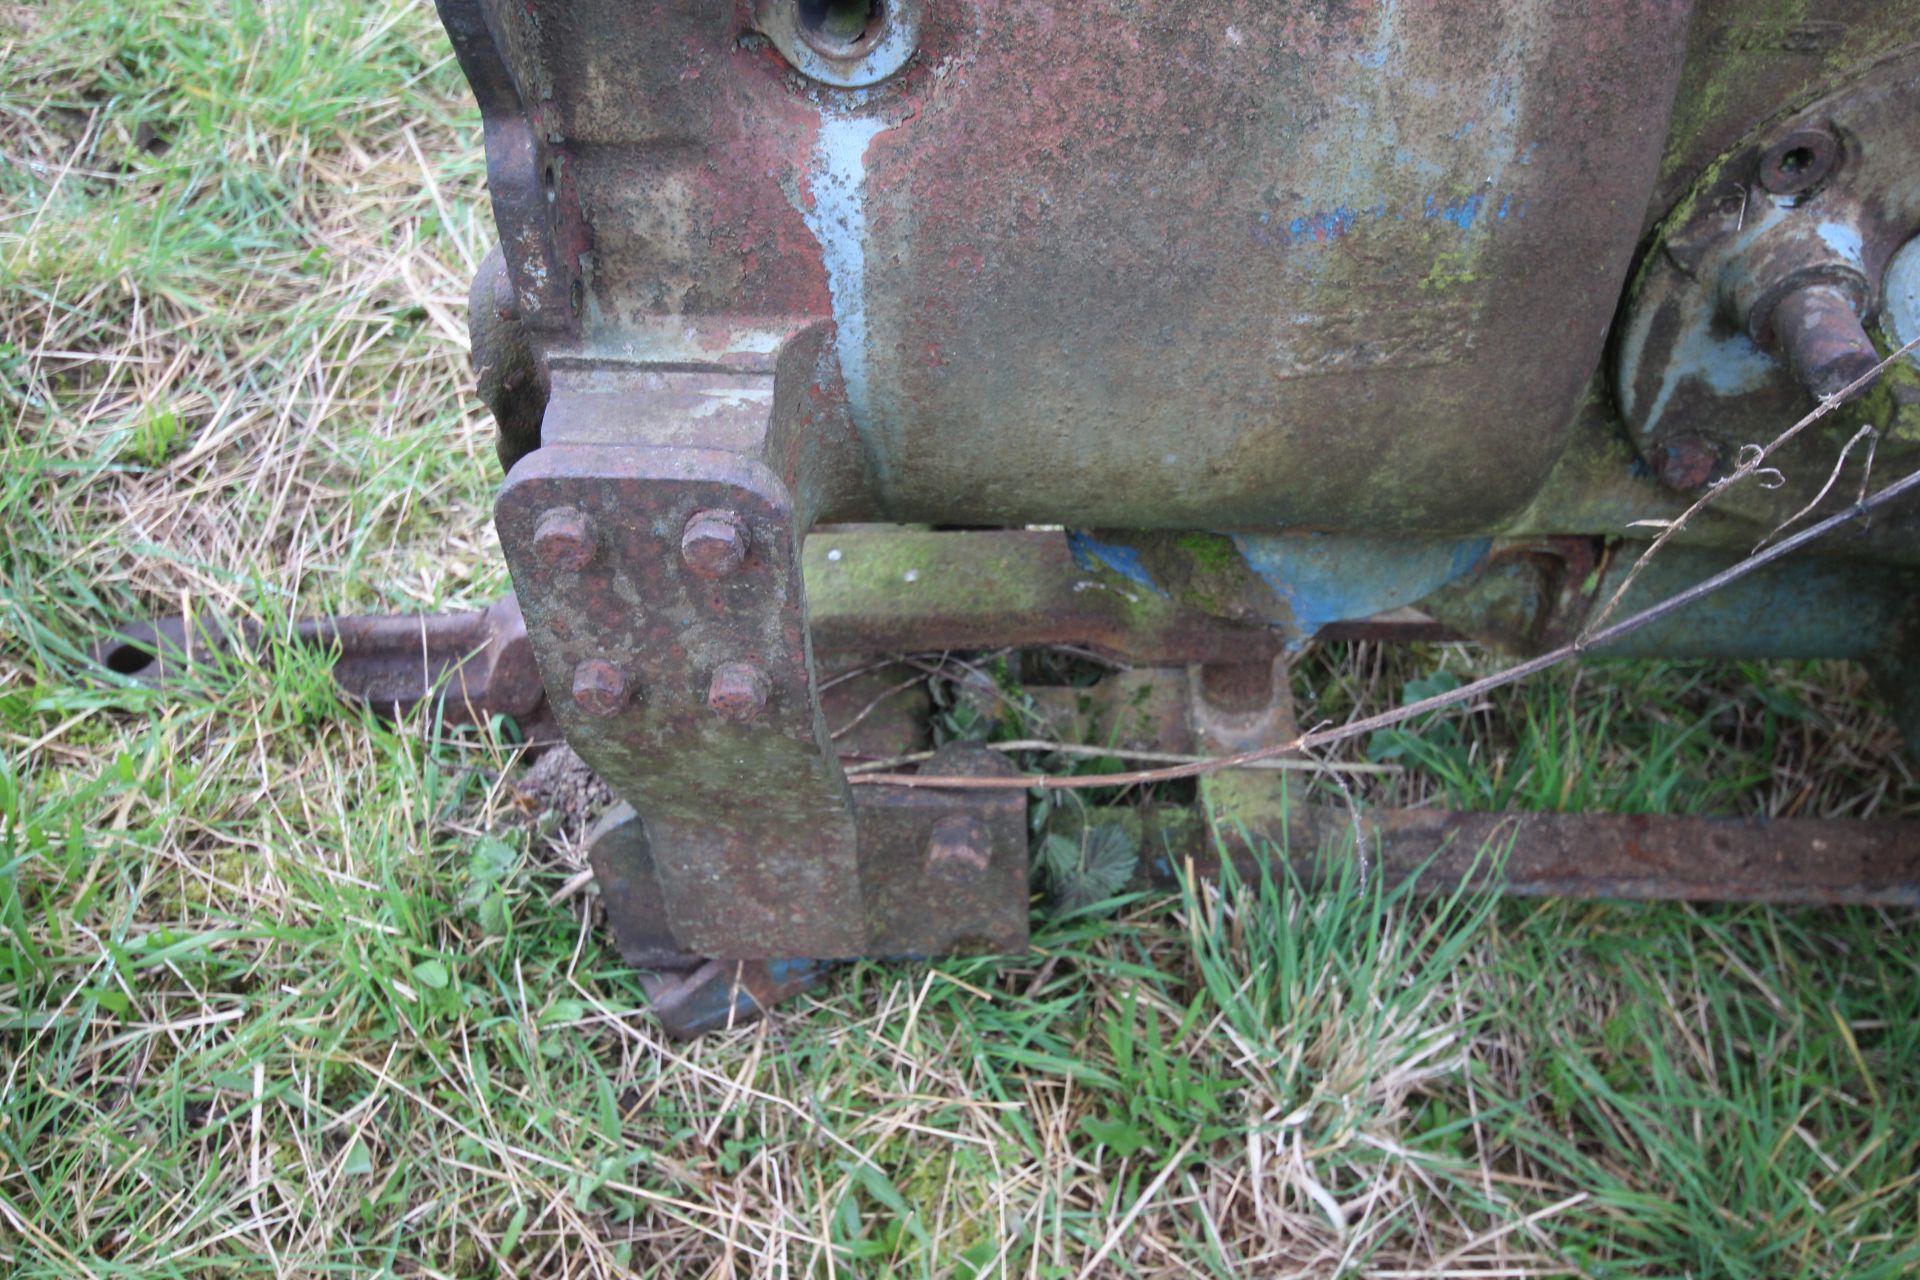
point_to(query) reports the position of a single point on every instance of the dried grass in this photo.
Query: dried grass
(254, 1021)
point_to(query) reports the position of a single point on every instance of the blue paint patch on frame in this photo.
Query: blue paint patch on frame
(1094, 555)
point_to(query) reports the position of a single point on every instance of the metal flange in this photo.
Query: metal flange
(1770, 291)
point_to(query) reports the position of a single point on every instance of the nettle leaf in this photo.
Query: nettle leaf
(1089, 868)
(432, 974)
(489, 865)
(493, 915)
(1112, 854)
(1058, 858)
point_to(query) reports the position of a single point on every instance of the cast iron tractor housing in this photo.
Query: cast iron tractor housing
(1315, 319)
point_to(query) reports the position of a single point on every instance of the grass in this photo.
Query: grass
(286, 991)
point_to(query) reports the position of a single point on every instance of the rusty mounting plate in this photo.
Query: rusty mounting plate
(689, 686)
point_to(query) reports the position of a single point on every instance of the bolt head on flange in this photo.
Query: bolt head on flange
(564, 539)
(600, 688)
(960, 846)
(714, 543)
(1799, 162)
(738, 692)
(1686, 461)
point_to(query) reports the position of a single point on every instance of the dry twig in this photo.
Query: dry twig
(1751, 463)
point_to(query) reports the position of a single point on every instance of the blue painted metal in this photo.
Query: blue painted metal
(1801, 607)
(1094, 554)
(1328, 577)
(1317, 578)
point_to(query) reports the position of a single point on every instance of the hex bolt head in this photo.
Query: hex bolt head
(1685, 462)
(564, 539)
(714, 543)
(738, 692)
(599, 688)
(960, 847)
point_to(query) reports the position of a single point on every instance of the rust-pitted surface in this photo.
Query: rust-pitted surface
(905, 590)
(945, 872)
(1117, 263)
(1572, 855)
(1588, 855)
(1253, 264)
(748, 820)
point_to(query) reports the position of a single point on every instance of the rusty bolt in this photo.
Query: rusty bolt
(1685, 462)
(959, 846)
(714, 543)
(1799, 162)
(1237, 687)
(599, 688)
(738, 692)
(564, 539)
(1821, 333)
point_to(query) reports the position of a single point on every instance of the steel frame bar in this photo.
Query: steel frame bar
(872, 592)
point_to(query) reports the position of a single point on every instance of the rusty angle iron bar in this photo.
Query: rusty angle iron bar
(1593, 855)
(1842, 861)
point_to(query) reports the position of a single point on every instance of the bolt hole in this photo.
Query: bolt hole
(578, 293)
(841, 28)
(1797, 161)
(548, 178)
(129, 659)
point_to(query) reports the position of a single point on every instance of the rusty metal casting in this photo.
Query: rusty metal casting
(1772, 286)
(1193, 333)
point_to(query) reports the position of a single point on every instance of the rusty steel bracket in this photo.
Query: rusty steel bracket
(941, 873)
(655, 541)
(663, 595)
